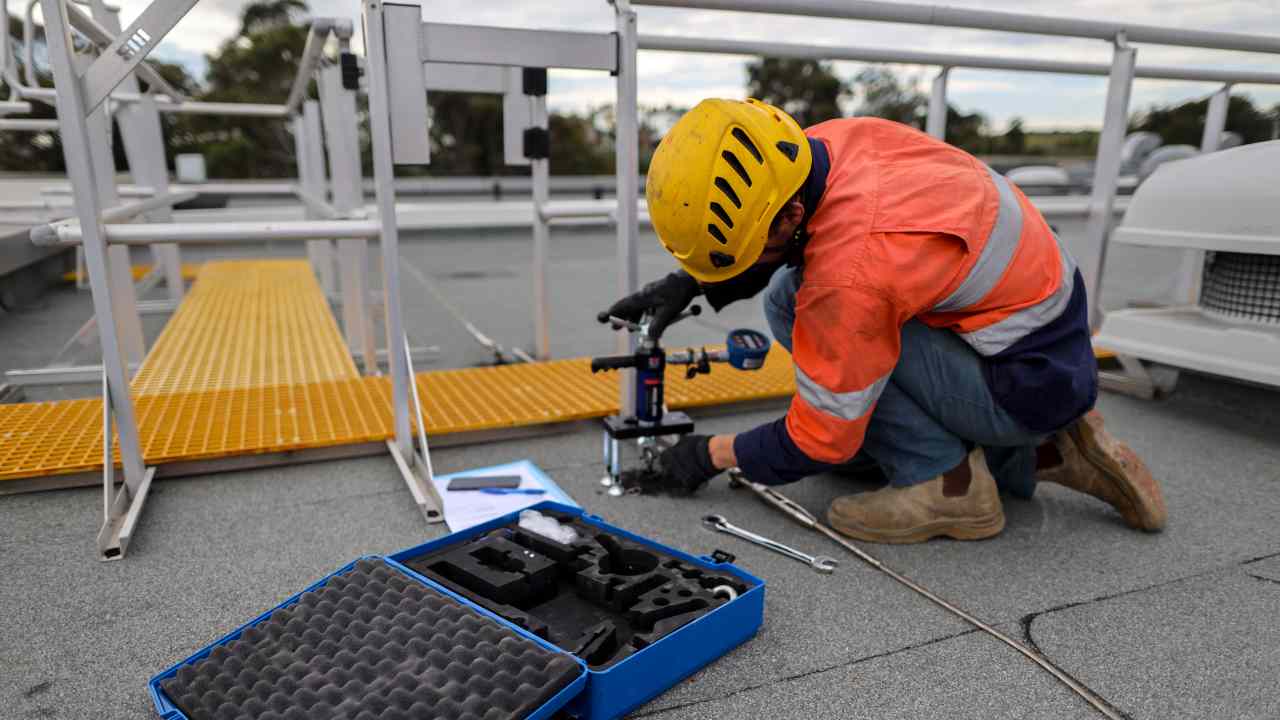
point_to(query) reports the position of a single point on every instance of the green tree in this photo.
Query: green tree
(258, 65)
(583, 144)
(269, 14)
(1183, 124)
(807, 89)
(466, 135)
(29, 151)
(883, 94)
(967, 131)
(1015, 140)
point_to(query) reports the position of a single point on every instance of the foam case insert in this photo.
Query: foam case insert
(371, 642)
(641, 615)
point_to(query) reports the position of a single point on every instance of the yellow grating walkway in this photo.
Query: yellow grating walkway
(245, 324)
(39, 439)
(139, 271)
(253, 362)
(508, 396)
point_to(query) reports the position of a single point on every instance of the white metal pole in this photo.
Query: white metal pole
(802, 51)
(541, 171)
(119, 261)
(950, 16)
(1215, 120)
(1105, 174)
(937, 122)
(384, 184)
(312, 177)
(213, 232)
(628, 172)
(341, 137)
(311, 52)
(144, 146)
(144, 143)
(28, 125)
(76, 144)
(130, 48)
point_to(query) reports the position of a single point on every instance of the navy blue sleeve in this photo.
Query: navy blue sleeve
(768, 455)
(745, 285)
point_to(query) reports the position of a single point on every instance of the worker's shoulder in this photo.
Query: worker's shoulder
(867, 127)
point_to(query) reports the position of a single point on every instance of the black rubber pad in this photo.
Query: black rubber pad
(372, 644)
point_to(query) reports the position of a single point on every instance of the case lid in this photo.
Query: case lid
(372, 637)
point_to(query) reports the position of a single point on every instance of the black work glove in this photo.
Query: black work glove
(665, 297)
(686, 466)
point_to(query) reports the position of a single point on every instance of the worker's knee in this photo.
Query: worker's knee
(780, 304)
(935, 353)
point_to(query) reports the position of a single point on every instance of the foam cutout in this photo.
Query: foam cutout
(372, 644)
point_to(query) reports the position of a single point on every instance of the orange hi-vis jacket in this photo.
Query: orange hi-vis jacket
(910, 227)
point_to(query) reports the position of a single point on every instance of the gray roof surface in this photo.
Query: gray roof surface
(1180, 624)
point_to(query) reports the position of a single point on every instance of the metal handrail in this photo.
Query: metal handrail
(311, 52)
(942, 15)
(674, 43)
(168, 99)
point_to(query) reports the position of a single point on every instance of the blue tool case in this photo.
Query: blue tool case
(496, 616)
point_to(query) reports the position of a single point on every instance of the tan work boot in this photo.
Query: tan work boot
(1097, 464)
(962, 504)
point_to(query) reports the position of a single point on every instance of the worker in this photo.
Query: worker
(936, 324)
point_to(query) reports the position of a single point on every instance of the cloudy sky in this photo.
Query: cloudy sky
(1043, 101)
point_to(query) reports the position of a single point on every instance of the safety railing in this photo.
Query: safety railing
(84, 100)
(1120, 73)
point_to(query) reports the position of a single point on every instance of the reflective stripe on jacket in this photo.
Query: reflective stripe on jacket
(908, 227)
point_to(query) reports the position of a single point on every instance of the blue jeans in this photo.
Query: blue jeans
(935, 408)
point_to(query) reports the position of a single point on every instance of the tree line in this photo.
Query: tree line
(259, 63)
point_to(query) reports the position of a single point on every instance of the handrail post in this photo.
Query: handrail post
(307, 142)
(1215, 119)
(936, 124)
(384, 184)
(77, 139)
(1105, 174)
(541, 175)
(342, 139)
(627, 168)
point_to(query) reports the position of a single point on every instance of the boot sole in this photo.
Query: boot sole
(968, 529)
(1119, 464)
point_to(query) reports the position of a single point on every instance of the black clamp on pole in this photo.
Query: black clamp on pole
(351, 72)
(537, 141)
(535, 81)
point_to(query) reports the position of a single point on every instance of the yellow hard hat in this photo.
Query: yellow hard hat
(718, 179)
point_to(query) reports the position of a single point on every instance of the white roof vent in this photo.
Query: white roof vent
(1038, 175)
(1226, 200)
(1137, 146)
(1162, 155)
(1225, 203)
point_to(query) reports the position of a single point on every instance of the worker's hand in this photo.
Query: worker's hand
(666, 298)
(687, 466)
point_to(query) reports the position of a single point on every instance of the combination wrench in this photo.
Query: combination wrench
(821, 563)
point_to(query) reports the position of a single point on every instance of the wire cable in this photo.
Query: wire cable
(805, 518)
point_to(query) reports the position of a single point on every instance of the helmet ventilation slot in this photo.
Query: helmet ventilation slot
(715, 233)
(721, 260)
(737, 166)
(722, 214)
(791, 150)
(745, 139)
(728, 191)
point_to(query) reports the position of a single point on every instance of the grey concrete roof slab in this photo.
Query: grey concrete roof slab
(81, 638)
(1206, 647)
